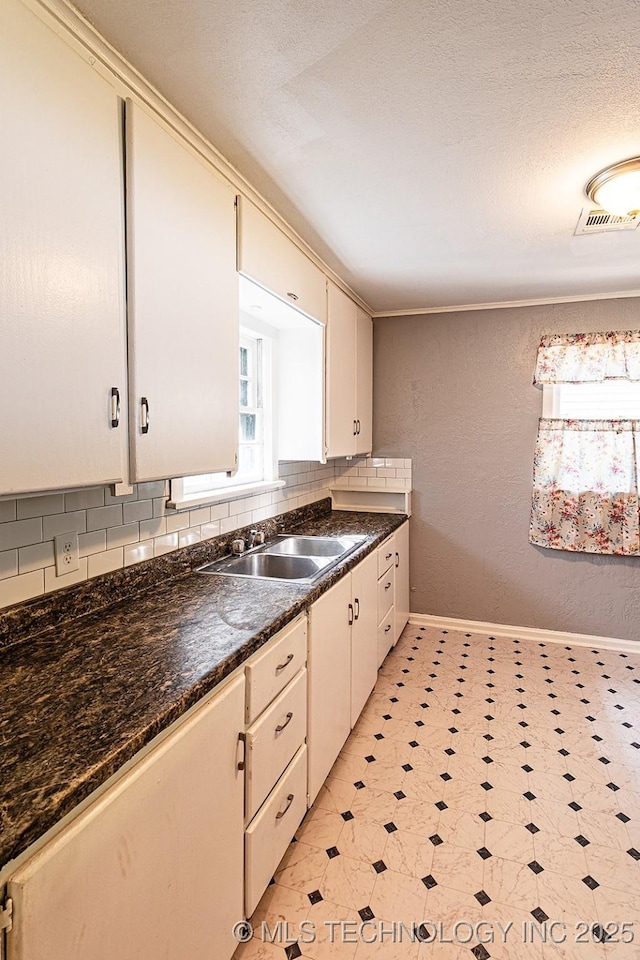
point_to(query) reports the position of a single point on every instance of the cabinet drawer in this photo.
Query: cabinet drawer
(270, 832)
(385, 592)
(386, 556)
(273, 739)
(272, 669)
(385, 635)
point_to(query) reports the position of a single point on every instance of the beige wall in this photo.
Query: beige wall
(453, 392)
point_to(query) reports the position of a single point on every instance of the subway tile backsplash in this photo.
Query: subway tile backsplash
(116, 532)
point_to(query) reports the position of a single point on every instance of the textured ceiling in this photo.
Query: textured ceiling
(434, 152)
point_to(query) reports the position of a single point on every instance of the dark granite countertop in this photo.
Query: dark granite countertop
(80, 699)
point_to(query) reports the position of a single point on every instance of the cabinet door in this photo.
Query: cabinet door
(61, 264)
(154, 867)
(183, 307)
(329, 674)
(364, 634)
(401, 538)
(341, 373)
(364, 382)
(267, 256)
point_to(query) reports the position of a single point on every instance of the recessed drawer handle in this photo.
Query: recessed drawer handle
(281, 726)
(280, 815)
(387, 628)
(281, 666)
(388, 586)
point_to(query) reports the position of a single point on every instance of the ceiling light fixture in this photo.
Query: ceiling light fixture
(617, 188)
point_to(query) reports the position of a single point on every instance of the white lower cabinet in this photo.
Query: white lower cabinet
(401, 592)
(342, 664)
(271, 830)
(154, 867)
(276, 755)
(386, 597)
(273, 739)
(364, 651)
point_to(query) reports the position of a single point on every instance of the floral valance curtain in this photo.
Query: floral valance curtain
(585, 473)
(588, 357)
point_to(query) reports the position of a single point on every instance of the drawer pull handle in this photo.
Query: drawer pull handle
(280, 815)
(281, 666)
(294, 296)
(388, 556)
(387, 628)
(281, 726)
(242, 740)
(387, 586)
(397, 559)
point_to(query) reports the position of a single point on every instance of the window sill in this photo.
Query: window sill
(222, 495)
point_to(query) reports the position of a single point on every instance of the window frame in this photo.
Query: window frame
(552, 400)
(230, 486)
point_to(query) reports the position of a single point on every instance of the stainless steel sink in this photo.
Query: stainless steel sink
(274, 567)
(312, 546)
(288, 557)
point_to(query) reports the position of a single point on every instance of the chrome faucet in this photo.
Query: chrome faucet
(255, 538)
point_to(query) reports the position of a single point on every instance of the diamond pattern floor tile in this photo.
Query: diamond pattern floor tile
(491, 780)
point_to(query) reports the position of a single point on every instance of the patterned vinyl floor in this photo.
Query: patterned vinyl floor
(488, 799)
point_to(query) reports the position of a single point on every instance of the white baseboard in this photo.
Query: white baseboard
(525, 633)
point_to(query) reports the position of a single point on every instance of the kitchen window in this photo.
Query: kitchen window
(257, 465)
(606, 400)
(586, 496)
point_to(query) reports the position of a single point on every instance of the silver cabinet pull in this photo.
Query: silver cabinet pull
(144, 415)
(387, 628)
(388, 586)
(280, 815)
(115, 407)
(358, 427)
(355, 428)
(281, 726)
(241, 740)
(286, 663)
(357, 614)
(397, 559)
(350, 614)
(293, 296)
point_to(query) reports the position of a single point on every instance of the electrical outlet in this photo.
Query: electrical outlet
(67, 553)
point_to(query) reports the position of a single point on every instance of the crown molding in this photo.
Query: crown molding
(506, 304)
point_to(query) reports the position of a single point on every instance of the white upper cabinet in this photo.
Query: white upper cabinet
(349, 376)
(62, 353)
(183, 307)
(364, 382)
(267, 256)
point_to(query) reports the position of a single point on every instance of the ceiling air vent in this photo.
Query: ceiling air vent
(599, 221)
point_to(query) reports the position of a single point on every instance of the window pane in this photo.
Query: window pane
(244, 393)
(244, 362)
(247, 426)
(248, 460)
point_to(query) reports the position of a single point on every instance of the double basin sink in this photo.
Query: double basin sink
(288, 557)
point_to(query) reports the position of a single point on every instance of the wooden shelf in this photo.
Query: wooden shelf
(363, 499)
